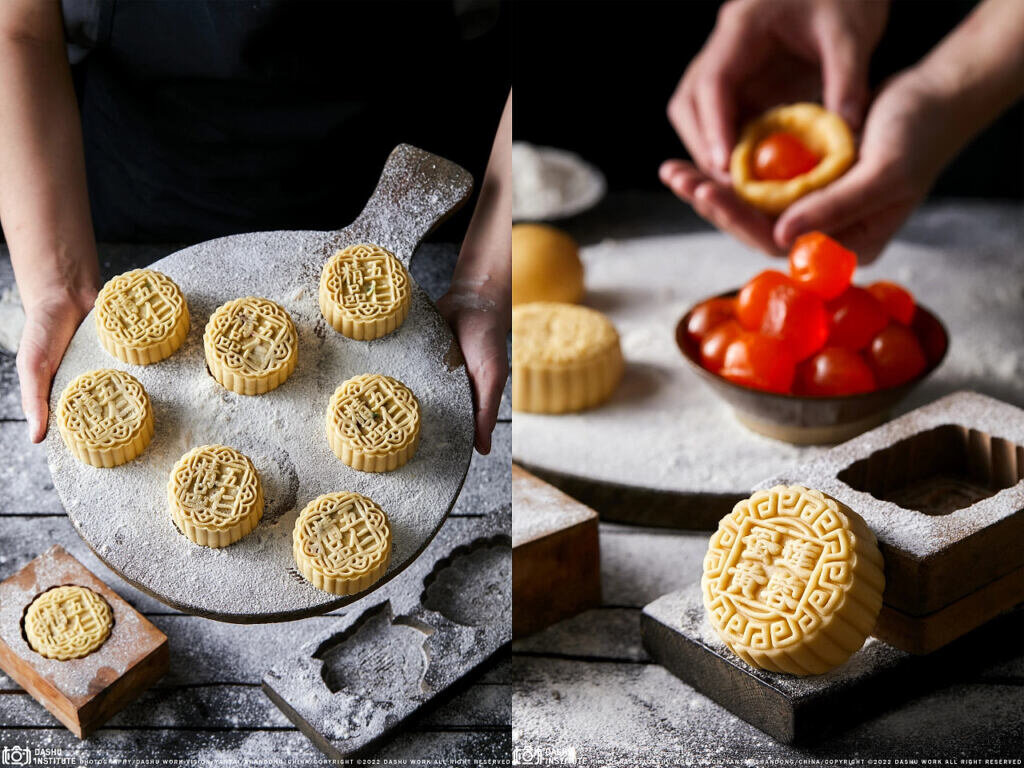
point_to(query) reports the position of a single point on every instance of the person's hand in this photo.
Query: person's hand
(762, 53)
(50, 322)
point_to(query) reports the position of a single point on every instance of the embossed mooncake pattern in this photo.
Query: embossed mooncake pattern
(342, 543)
(251, 345)
(364, 292)
(564, 357)
(141, 317)
(793, 581)
(215, 495)
(67, 622)
(105, 417)
(373, 423)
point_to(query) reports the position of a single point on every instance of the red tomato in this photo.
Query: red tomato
(759, 362)
(895, 355)
(753, 298)
(712, 348)
(855, 318)
(834, 371)
(797, 318)
(708, 315)
(821, 265)
(782, 155)
(896, 299)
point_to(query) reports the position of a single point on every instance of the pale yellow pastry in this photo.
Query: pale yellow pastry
(141, 317)
(215, 495)
(546, 265)
(251, 345)
(67, 622)
(824, 133)
(373, 423)
(364, 291)
(793, 581)
(342, 543)
(105, 417)
(564, 358)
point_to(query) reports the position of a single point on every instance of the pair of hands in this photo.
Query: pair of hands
(767, 52)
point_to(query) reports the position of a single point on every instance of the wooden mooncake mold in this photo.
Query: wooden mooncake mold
(67, 622)
(373, 423)
(251, 345)
(364, 292)
(793, 581)
(215, 495)
(564, 358)
(342, 543)
(105, 417)
(824, 133)
(141, 317)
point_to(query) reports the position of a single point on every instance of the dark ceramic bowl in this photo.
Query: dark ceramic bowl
(808, 420)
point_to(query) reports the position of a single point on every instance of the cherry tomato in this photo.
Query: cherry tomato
(821, 265)
(797, 318)
(760, 362)
(895, 356)
(782, 155)
(855, 318)
(753, 298)
(716, 341)
(896, 299)
(834, 371)
(708, 315)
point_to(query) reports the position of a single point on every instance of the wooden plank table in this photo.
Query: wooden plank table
(210, 707)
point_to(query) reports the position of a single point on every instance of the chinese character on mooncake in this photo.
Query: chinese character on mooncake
(67, 622)
(141, 317)
(105, 417)
(364, 292)
(342, 543)
(251, 345)
(793, 581)
(373, 423)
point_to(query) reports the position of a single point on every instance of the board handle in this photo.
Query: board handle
(417, 190)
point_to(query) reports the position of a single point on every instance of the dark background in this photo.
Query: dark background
(596, 77)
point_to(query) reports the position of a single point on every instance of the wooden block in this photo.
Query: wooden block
(677, 634)
(556, 564)
(81, 693)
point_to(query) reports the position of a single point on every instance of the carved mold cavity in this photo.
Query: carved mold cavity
(473, 585)
(939, 471)
(378, 653)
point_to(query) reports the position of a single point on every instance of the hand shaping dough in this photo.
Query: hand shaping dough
(67, 622)
(793, 581)
(364, 292)
(215, 495)
(342, 543)
(373, 423)
(105, 417)
(823, 132)
(545, 265)
(141, 317)
(251, 345)
(564, 358)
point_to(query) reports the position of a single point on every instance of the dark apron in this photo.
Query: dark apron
(207, 118)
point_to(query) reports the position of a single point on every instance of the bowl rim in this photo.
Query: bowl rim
(684, 347)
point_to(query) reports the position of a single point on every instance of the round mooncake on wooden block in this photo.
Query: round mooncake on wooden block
(342, 543)
(564, 358)
(251, 345)
(793, 581)
(141, 317)
(373, 423)
(364, 292)
(215, 495)
(105, 417)
(67, 622)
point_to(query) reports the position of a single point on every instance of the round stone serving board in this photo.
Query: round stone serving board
(122, 513)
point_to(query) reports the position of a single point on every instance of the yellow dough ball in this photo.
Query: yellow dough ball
(545, 265)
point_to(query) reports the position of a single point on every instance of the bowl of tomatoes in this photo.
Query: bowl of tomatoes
(807, 356)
